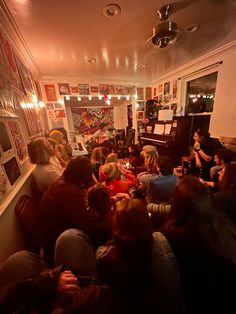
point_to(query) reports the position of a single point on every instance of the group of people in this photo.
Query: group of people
(103, 252)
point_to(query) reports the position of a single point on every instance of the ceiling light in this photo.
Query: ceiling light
(111, 10)
(93, 60)
(67, 97)
(100, 97)
(108, 102)
(79, 98)
(109, 97)
(127, 97)
(90, 97)
(118, 97)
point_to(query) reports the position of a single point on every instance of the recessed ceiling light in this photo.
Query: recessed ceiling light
(141, 66)
(93, 60)
(111, 10)
(191, 28)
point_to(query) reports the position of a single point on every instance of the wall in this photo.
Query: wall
(224, 113)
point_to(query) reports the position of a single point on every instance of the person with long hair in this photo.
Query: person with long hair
(96, 160)
(203, 240)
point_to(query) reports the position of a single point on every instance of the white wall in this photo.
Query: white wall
(223, 118)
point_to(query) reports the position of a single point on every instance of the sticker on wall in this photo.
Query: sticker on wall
(64, 88)
(83, 89)
(50, 91)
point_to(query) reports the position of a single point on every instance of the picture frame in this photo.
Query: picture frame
(140, 115)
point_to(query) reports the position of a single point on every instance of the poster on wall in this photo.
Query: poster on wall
(175, 88)
(18, 140)
(4, 74)
(94, 90)
(83, 89)
(57, 123)
(160, 88)
(74, 89)
(38, 90)
(120, 90)
(25, 75)
(87, 120)
(64, 88)
(148, 93)
(12, 170)
(59, 113)
(140, 93)
(130, 115)
(166, 88)
(104, 89)
(50, 91)
(11, 64)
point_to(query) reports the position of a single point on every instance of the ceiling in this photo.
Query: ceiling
(63, 35)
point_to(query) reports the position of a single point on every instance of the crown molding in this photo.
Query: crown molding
(14, 35)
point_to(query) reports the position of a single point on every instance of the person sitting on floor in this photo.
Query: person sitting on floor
(96, 160)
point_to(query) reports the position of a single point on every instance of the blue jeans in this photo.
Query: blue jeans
(73, 249)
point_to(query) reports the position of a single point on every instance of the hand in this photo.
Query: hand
(120, 196)
(67, 282)
(196, 145)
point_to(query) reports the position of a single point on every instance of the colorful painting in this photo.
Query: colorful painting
(94, 90)
(140, 93)
(148, 93)
(25, 75)
(140, 115)
(18, 140)
(64, 88)
(59, 113)
(83, 89)
(74, 89)
(50, 91)
(87, 120)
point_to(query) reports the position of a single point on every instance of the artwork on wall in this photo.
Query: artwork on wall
(4, 74)
(59, 113)
(154, 91)
(74, 89)
(174, 108)
(160, 88)
(57, 123)
(140, 105)
(87, 120)
(18, 140)
(15, 79)
(3, 183)
(94, 89)
(120, 90)
(49, 106)
(38, 90)
(58, 105)
(111, 90)
(175, 88)
(140, 115)
(64, 88)
(166, 88)
(25, 75)
(51, 114)
(130, 115)
(148, 93)
(12, 170)
(104, 89)
(50, 91)
(160, 99)
(5, 142)
(140, 93)
(32, 122)
(83, 89)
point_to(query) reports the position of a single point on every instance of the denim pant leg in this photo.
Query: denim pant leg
(74, 250)
(20, 266)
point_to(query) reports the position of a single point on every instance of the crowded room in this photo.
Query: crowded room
(117, 157)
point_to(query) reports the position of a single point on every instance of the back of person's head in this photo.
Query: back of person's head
(193, 213)
(56, 135)
(111, 171)
(165, 165)
(112, 157)
(225, 155)
(228, 180)
(40, 151)
(79, 172)
(99, 199)
(96, 155)
(150, 163)
(131, 222)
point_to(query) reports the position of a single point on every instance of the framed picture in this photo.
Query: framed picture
(175, 88)
(140, 93)
(49, 106)
(140, 115)
(83, 89)
(104, 89)
(58, 105)
(166, 88)
(18, 140)
(25, 75)
(12, 170)
(74, 89)
(94, 90)
(38, 90)
(149, 129)
(64, 88)
(148, 92)
(50, 91)
(160, 88)
(59, 113)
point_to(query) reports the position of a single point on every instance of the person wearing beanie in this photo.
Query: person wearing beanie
(113, 179)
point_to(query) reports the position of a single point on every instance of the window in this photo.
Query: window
(201, 94)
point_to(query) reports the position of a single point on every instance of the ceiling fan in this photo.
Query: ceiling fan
(166, 32)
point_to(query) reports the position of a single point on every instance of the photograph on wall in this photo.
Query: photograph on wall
(175, 88)
(94, 90)
(59, 113)
(111, 90)
(64, 88)
(154, 91)
(58, 105)
(160, 99)
(4, 74)
(87, 120)
(18, 140)
(120, 90)
(140, 93)
(57, 123)
(3, 183)
(104, 89)
(131, 90)
(173, 107)
(12, 170)
(160, 88)
(25, 75)
(166, 88)
(49, 105)
(74, 89)
(51, 114)
(32, 123)
(148, 93)
(130, 115)
(167, 98)
(50, 91)
(140, 105)
(140, 115)
(5, 142)
(83, 89)
(14, 74)
(38, 90)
